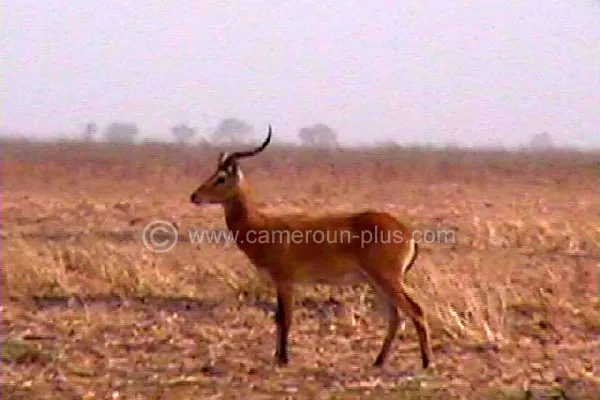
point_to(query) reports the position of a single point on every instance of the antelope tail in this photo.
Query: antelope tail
(414, 252)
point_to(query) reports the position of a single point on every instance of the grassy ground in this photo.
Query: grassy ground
(90, 313)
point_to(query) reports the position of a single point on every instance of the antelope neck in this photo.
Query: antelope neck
(240, 213)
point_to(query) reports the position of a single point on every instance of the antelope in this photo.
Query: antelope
(307, 260)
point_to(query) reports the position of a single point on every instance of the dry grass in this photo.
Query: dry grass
(90, 313)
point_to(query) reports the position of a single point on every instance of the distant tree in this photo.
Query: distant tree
(89, 132)
(120, 132)
(451, 145)
(183, 133)
(387, 144)
(318, 135)
(204, 142)
(231, 130)
(541, 141)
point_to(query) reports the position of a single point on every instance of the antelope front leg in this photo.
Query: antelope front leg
(283, 319)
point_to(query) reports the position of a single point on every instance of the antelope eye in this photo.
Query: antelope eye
(220, 180)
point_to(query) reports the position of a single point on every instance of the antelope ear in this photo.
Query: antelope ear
(239, 174)
(222, 157)
(232, 168)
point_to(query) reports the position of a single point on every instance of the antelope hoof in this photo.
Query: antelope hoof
(281, 360)
(379, 362)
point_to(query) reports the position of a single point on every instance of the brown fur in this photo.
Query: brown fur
(287, 248)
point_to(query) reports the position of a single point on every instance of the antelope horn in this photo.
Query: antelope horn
(250, 153)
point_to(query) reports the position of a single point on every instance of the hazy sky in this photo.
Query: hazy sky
(468, 72)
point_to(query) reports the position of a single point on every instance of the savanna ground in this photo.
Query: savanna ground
(90, 313)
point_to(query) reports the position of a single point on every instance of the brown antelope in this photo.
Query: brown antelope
(344, 258)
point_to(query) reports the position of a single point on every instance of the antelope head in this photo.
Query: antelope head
(226, 182)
